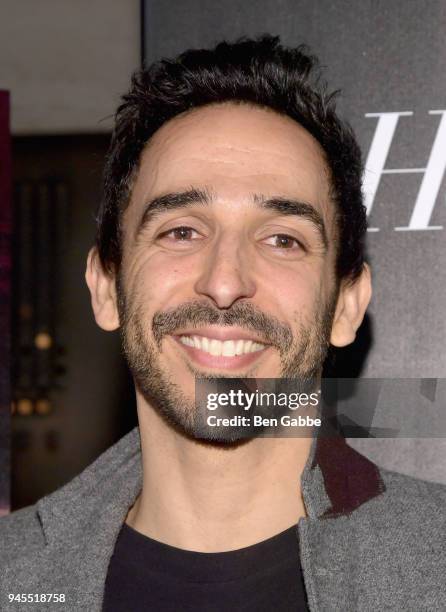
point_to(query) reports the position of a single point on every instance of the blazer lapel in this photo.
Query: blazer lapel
(336, 481)
(81, 523)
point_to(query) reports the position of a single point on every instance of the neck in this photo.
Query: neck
(210, 499)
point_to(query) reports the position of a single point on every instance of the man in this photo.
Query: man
(230, 245)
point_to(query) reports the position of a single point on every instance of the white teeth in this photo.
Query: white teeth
(187, 341)
(227, 348)
(215, 347)
(239, 347)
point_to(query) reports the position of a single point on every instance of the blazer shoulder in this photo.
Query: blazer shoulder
(20, 533)
(409, 488)
(413, 503)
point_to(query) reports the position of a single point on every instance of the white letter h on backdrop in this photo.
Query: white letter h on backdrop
(433, 173)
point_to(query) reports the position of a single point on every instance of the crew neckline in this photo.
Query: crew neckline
(194, 566)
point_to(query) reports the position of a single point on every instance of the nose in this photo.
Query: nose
(227, 273)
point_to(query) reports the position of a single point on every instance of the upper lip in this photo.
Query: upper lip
(221, 333)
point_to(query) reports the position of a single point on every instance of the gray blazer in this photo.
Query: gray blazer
(373, 539)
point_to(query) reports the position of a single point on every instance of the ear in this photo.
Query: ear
(352, 303)
(103, 292)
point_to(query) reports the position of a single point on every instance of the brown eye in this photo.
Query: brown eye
(283, 241)
(181, 233)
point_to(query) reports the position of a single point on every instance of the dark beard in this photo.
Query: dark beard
(301, 357)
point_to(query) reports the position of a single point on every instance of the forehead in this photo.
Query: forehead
(234, 150)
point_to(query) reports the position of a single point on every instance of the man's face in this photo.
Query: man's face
(218, 278)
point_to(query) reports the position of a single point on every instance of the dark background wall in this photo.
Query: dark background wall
(5, 298)
(388, 59)
(91, 401)
(66, 66)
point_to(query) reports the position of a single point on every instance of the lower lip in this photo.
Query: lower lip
(220, 361)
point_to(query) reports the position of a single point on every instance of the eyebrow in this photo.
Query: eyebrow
(185, 199)
(296, 208)
(171, 201)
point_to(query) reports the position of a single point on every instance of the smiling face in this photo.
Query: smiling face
(229, 248)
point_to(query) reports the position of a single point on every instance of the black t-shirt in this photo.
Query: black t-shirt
(145, 574)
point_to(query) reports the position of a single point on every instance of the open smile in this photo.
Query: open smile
(229, 352)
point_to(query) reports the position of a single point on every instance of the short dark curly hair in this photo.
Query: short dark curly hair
(257, 71)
